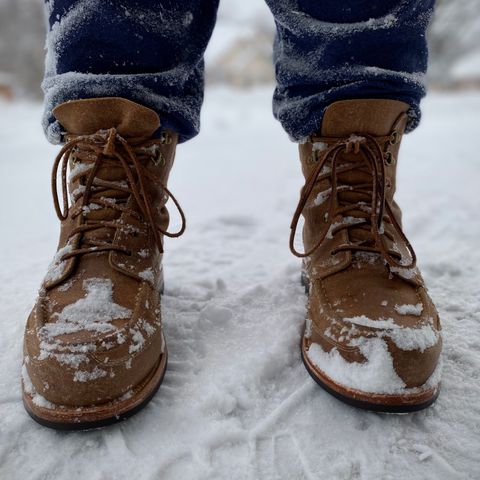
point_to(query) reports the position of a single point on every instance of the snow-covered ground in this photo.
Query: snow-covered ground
(236, 402)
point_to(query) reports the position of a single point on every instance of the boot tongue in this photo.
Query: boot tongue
(372, 117)
(347, 117)
(86, 117)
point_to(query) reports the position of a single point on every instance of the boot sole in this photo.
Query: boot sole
(85, 418)
(407, 403)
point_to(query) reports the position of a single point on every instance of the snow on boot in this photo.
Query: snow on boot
(94, 351)
(372, 335)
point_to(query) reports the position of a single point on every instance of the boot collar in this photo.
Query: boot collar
(88, 116)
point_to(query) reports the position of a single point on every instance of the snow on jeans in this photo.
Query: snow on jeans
(151, 52)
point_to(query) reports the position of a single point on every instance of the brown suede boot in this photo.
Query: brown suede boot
(372, 335)
(94, 348)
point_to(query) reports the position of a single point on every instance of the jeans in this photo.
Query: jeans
(151, 52)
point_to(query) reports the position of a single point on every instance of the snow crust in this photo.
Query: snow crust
(37, 399)
(407, 273)
(405, 338)
(236, 402)
(86, 376)
(343, 221)
(57, 267)
(94, 312)
(376, 375)
(409, 309)
(79, 168)
(147, 274)
(319, 146)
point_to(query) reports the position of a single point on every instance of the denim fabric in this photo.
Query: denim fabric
(328, 50)
(151, 51)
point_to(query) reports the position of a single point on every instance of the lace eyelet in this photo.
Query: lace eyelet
(159, 159)
(394, 138)
(389, 158)
(165, 138)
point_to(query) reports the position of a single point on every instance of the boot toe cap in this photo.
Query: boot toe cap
(93, 371)
(401, 341)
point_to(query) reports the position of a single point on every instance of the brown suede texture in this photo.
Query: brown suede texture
(88, 366)
(344, 284)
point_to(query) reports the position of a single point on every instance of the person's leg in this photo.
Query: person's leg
(335, 50)
(124, 83)
(350, 78)
(148, 51)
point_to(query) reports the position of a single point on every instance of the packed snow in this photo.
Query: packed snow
(407, 309)
(405, 338)
(93, 312)
(86, 376)
(30, 389)
(58, 265)
(376, 375)
(236, 402)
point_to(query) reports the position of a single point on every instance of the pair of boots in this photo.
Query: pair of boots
(94, 350)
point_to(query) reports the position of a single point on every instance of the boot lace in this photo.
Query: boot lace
(110, 150)
(369, 213)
